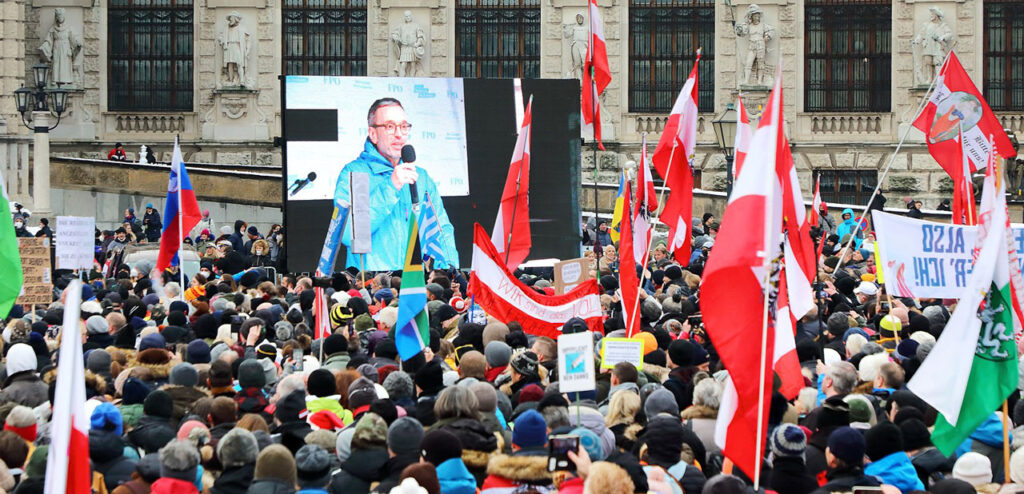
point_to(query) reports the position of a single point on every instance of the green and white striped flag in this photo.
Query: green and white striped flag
(11, 276)
(973, 367)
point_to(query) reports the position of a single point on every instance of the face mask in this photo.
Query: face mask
(18, 224)
(259, 252)
(206, 274)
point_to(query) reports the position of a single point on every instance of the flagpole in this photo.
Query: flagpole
(966, 179)
(181, 232)
(892, 159)
(1006, 443)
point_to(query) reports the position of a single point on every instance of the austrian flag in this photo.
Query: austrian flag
(503, 296)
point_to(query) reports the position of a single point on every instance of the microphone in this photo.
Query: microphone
(409, 156)
(300, 183)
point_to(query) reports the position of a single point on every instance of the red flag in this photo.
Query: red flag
(673, 159)
(956, 102)
(964, 212)
(815, 217)
(747, 246)
(596, 75)
(320, 315)
(628, 280)
(785, 361)
(67, 462)
(511, 234)
(501, 295)
(743, 133)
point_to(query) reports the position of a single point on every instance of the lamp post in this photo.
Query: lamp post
(725, 132)
(39, 101)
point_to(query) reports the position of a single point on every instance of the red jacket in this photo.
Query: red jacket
(167, 485)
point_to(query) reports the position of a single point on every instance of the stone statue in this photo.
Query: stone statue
(931, 45)
(410, 47)
(577, 35)
(234, 40)
(59, 49)
(756, 71)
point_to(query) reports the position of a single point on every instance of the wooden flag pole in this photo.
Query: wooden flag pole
(1006, 443)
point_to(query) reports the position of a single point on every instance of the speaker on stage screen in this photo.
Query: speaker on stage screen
(443, 144)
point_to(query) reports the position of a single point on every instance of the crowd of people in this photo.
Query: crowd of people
(221, 387)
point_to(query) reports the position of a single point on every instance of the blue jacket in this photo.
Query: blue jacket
(849, 226)
(455, 477)
(897, 470)
(389, 212)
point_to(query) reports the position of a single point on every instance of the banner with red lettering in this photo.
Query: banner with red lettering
(503, 296)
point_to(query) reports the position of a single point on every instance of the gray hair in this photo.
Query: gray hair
(291, 382)
(708, 392)
(843, 376)
(871, 348)
(371, 118)
(179, 455)
(457, 402)
(556, 417)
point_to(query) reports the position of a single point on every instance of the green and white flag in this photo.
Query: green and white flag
(973, 366)
(11, 276)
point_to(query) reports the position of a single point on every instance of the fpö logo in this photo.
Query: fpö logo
(422, 92)
(428, 135)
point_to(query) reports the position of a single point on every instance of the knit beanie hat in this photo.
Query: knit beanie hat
(440, 445)
(275, 462)
(661, 401)
(292, 408)
(530, 430)
(250, 374)
(590, 442)
(399, 385)
(105, 416)
(788, 440)
(312, 466)
(497, 353)
(98, 361)
(430, 377)
(361, 393)
(96, 325)
(525, 363)
(179, 460)
(915, 434)
(371, 431)
(22, 421)
(883, 440)
(321, 383)
(847, 444)
(134, 391)
(405, 436)
(973, 468)
(238, 447)
(184, 374)
(158, 404)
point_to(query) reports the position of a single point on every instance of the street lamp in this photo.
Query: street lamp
(38, 102)
(725, 132)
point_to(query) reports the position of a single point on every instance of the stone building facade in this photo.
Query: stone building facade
(851, 70)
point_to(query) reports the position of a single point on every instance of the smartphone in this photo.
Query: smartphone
(297, 359)
(559, 447)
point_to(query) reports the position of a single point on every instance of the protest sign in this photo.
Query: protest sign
(927, 259)
(37, 288)
(569, 274)
(75, 242)
(576, 362)
(615, 350)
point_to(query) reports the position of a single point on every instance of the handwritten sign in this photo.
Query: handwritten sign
(569, 274)
(35, 265)
(615, 350)
(75, 242)
(576, 362)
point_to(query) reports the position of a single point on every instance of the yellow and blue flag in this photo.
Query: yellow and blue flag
(619, 209)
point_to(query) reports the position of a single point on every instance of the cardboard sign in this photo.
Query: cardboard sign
(615, 350)
(570, 273)
(76, 243)
(576, 362)
(35, 266)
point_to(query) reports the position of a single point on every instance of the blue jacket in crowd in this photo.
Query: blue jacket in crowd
(896, 470)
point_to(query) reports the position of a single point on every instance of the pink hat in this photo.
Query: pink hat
(206, 213)
(206, 231)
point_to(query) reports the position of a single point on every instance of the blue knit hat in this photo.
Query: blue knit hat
(134, 391)
(107, 416)
(155, 340)
(530, 430)
(847, 444)
(590, 442)
(788, 440)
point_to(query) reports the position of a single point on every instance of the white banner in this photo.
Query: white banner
(927, 259)
(576, 362)
(76, 242)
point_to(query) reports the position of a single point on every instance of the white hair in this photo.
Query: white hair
(870, 365)
(855, 342)
(808, 398)
(708, 392)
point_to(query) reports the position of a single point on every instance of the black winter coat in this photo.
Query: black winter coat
(151, 433)
(359, 471)
(270, 486)
(789, 476)
(106, 450)
(234, 480)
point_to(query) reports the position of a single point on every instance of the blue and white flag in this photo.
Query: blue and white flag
(432, 239)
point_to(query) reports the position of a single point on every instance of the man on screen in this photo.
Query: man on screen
(390, 196)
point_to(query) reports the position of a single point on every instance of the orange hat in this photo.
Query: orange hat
(650, 342)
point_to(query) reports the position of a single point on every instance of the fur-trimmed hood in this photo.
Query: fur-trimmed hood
(698, 412)
(156, 360)
(658, 372)
(520, 469)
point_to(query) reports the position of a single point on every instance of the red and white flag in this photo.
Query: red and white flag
(646, 204)
(956, 102)
(743, 134)
(815, 218)
(503, 296)
(596, 75)
(67, 469)
(964, 212)
(673, 160)
(746, 256)
(321, 316)
(511, 234)
(629, 282)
